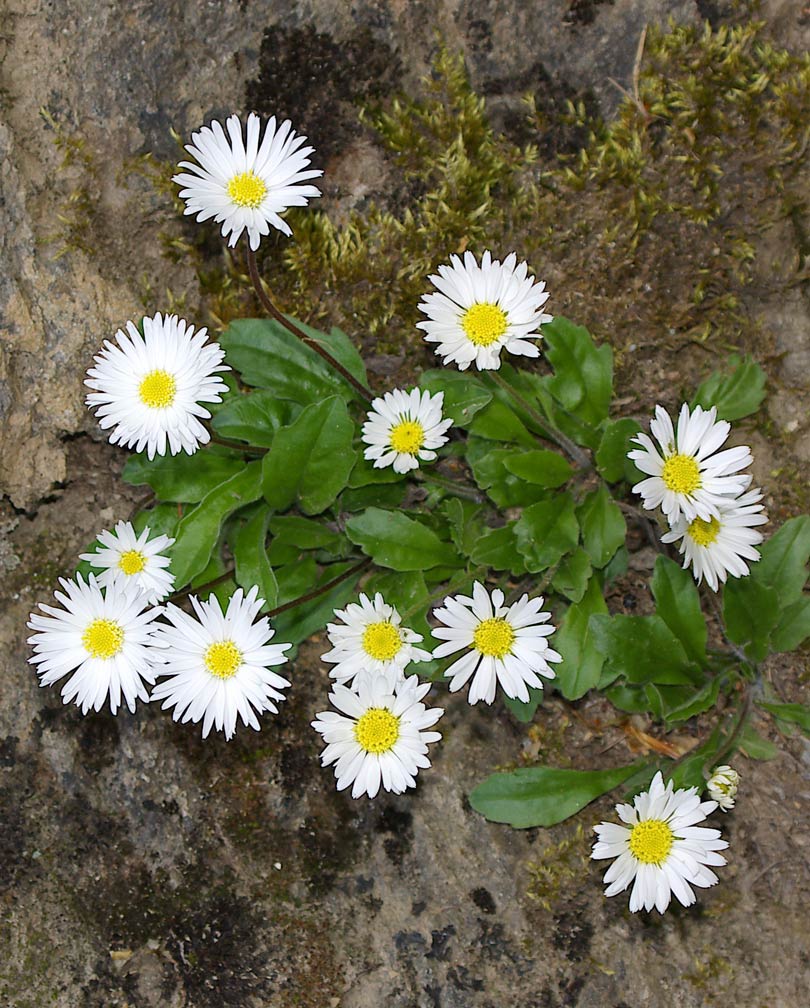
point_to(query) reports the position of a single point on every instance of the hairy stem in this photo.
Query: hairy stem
(550, 432)
(236, 445)
(321, 590)
(274, 312)
(201, 588)
(468, 493)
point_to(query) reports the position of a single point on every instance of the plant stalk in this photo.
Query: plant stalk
(274, 312)
(321, 590)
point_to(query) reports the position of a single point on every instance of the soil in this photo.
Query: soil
(141, 866)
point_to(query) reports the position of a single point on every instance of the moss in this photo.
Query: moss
(78, 212)
(561, 863)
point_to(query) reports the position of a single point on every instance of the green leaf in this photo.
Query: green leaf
(311, 459)
(546, 531)
(583, 372)
(783, 563)
(602, 524)
(498, 548)
(296, 579)
(161, 520)
(465, 523)
(679, 703)
(198, 532)
(297, 624)
(268, 356)
(793, 626)
(631, 699)
(393, 540)
(795, 713)
(688, 771)
(364, 474)
(492, 476)
(750, 742)
(582, 662)
(611, 455)
(735, 395)
(525, 711)
(385, 495)
(464, 395)
(250, 557)
(542, 796)
(617, 566)
(182, 478)
(306, 534)
(641, 648)
(678, 604)
(497, 422)
(255, 418)
(545, 468)
(573, 575)
(750, 612)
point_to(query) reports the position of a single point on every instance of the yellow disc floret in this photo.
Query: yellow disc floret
(681, 474)
(651, 841)
(157, 389)
(382, 640)
(704, 532)
(132, 562)
(494, 637)
(407, 437)
(377, 730)
(103, 638)
(247, 190)
(484, 323)
(222, 659)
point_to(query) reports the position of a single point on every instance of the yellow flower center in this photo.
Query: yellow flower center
(494, 637)
(407, 437)
(247, 190)
(382, 640)
(157, 389)
(681, 474)
(377, 730)
(484, 323)
(704, 532)
(104, 638)
(223, 659)
(651, 841)
(132, 562)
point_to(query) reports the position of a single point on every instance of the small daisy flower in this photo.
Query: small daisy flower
(722, 787)
(477, 311)
(372, 641)
(148, 388)
(661, 849)
(125, 556)
(722, 545)
(404, 428)
(688, 476)
(102, 637)
(379, 736)
(508, 644)
(218, 664)
(245, 185)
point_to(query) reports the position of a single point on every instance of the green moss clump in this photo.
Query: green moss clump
(561, 863)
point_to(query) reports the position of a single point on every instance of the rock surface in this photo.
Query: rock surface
(140, 867)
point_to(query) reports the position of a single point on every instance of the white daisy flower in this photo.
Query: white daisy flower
(125, 556)
(218, 664)
(379, 737)
(372, 641)
(477, 311)
(688, 476)
(508, 644)
(722, 545)
(722, 787)
(404, 427)
(246, 185)
(148, 388)
(661, 849)
(103, 638)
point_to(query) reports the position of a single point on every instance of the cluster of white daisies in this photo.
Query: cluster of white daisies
(119, 632)
(703, 493)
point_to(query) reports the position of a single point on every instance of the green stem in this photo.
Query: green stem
(201, 588)
(313, 344)
(455, 488)
(321, 590)
(236, 445)
(550, 432)
(742, 718)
